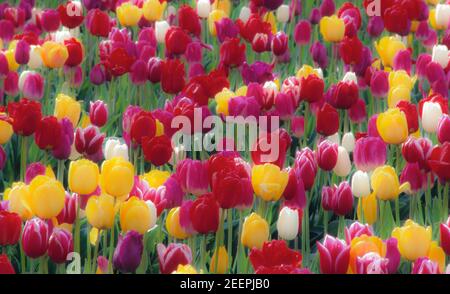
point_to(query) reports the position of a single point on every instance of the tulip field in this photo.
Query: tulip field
(224, 137)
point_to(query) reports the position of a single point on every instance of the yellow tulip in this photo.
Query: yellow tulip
(242, 91)
(173, 224)
(255, 231)
(269, 181)
(100, 211)
(392, 126)
(135, 215)
(10, 57)
(46, 198)
(54, 54)
(67, 107)
(307, 70)
(6, 131)
(401, 78)
(93, 236)
(385, 183)
(414, 241)
(156, 178)
(437, 254)
(387, 48)
(399, 93)
(153, 9)
(222, 98)
(223, 5)
(369, 208)
(186, 270)
(270, 18)
(128, 14)
(117, 177)
(214, 16)
(83, 176)
(362, 245)
(332, 28)
(222, 261)
(17, 195)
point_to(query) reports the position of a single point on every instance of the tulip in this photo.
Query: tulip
(288, 223)
(98, 113)
(319, 54)
(348, 141)
(48, 133)
(6, 129)
(387, 48)
(311, 88)
(440, 55)
(392, 126)
(18, 192)
(232, 53)
(22, 52)
(222, 261)
(153, 10)
(5, 265)
(117, 177)
(204, 214)
(11, 225)
(379, 84)
(385, 183)
(46, 198)
(431, 114)
(332, 28)
(60, 245)
(50, 20)
(203, 8)
(71, 14)
(88, 142)
(369, 153)
(11, 84)
(100, 211)
(54, 55)
(327, 155)
(443, 129)
(83, 176)
(269, 181)
(444, 230)
(128, 14)
(136, 215)
(193, 176)
(307, 166)
(128, 252)
(31, 84)
(425, 266)
(114, 148)
(334, 255)
(172, 256)
(275, 257)
(343, 164)
(25, 116)
(161, 28)
(68, 214)
(442, 15)
(244, 14)
(157, 150)
(66, 106)
(412, 233)
(172, 83)
(255, 231)
(298, 126)
(173, 224)
(302, 32)
(98, 23)
(35, 237)
(360, 184)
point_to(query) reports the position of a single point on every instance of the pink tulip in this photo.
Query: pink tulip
(31, 84)
(369, 153)
(98, 113)
(302, 32)
(443, 130)
(425, 266)
(334, 255)
(193, 176)
(343, 199)
(393, 255)
(69, 212)
(306, 163)
(22, 53)
(173, 255)
(371, 263)
(327, 153)
(444, 229)
(34, 169)
(298, 126)
(50, 20)
(357, 229)
(60, 245)
(89, 142)
(35, 238)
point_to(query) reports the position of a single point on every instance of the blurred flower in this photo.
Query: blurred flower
(43, 191)
(173, 224)
(343, 164)
(222, 261)
(83, 176)
(11, 225)
(66, 106)
(137, 215)
(327, 120)
(392, 126)
(269, 181)
(275, 256)
(5, 265)
(25, 116)
(172, 256)
(332, 28)
(89, 142)
(128, 252)
(288, 223)
(439, 161)
(128, 14)
(153, 9)
(54, 55)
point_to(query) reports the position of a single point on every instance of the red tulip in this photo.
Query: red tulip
(98, 113)
(154, 67)
(267, 152)
(334, 255)
(204, 214)
(188, 20)
(311, 88)
(342, 199)
(294, 193)
(119, 62)
(444, 230)
(157, 150)
(253, 26)
(350, 50)
(396, 19)
(345, 95)
(306, 164)
(357, 113)
(260, 43)
(279, 44)
(327, 122)
(48, 133)
(176, 41)
(26, 115)
(203, 87)
(69, 212)
(142, 125)
(172, 76)
(439, 161)
(98, 23)
(443, 131)
(89, 141)
(417, 150)
(274, 256)
(327, 155)
(412, 117)
(35, 238)
(232, 53)
(60, 245)
(76, 52)
(11, 226)
(173, 255)
(6, 266)
(71, 14)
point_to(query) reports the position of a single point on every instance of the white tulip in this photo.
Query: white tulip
(350, 77)
(283, 13)
(431, 114)
(35, 61)
(440, 55)
(61, 36)
(203, 8)
(334, 138)
(360, 184)
(153, 214)
(287, 223)
(161, 28)
(442, 15)
(343, 165)
(244, 15)
(113, 148)
(348, 141)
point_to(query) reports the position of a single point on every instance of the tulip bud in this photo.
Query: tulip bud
(222, 261)
(114, 148)
(31, 84)
(375, 26)
(348, 141)
(161, 28)
(60, 245)
(431, 114)
(244, 15)
(173, 255)
(288, 223)
(327, 154)
(35, 238)
(360, 184)
(97, 76)
(302, 32)
(319, 54)
(443, 129)
(50, 20)
(283, 13)
(128, 252)
(98, 113)
(343, 164)
(440, 55)
(203, 8)
(442, 15)
(22, 52)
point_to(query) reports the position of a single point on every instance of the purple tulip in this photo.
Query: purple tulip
(6, 30)
(327, 8)
(315, 16)
(4, 67)
(193, 52)
(97, 76)
(422, 63)
(319, 54)
(258, 72)
(128, 252)
(226, 29)
(50, 20)
(244, 106)
(423, 30)
(402, 61)
(375, 26)
(63, 150)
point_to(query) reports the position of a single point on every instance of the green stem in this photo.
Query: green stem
(230, 237)
(23, 157)
(445, 201)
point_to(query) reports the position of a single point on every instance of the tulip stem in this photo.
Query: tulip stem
(94, 260)
(238, 243)
(60, 171)
(445, 204)
(88, 247)
(341, 228)
(230, 237)
(77, 227)
(23, 157)
(111, 246)
(203, 252)
(22, 256)
(219, 234)
(325, 222)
